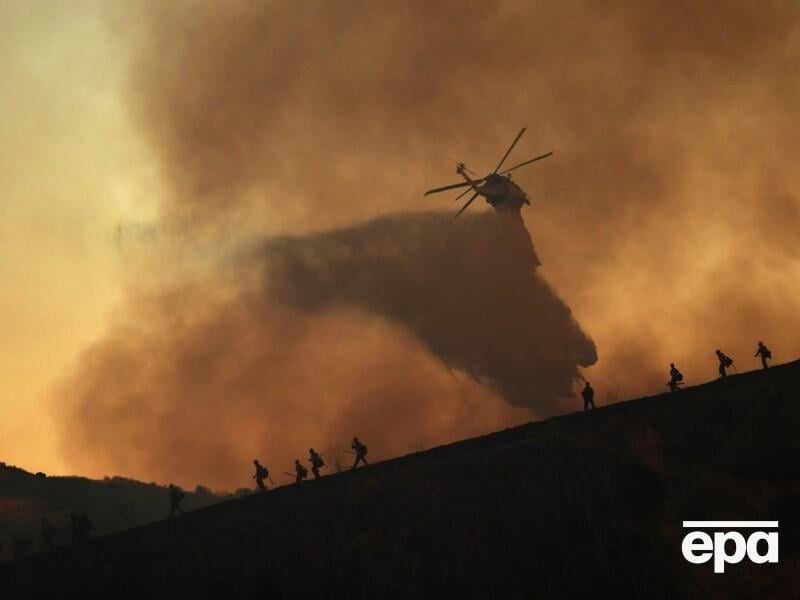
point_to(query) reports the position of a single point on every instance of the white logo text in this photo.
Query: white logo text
(727, 545)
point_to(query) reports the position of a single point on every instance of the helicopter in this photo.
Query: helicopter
(497, 187)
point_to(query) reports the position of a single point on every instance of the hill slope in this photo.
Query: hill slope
(586, 505)
(113, 504)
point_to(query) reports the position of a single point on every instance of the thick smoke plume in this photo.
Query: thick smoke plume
(367, 329)
(468, 290)
(666, 219)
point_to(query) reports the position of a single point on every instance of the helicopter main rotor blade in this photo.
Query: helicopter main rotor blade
(527, 162)
(452, 187)
(462, 194)
(505, 156)
(463, 208)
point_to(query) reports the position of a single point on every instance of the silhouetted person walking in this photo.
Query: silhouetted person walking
(176, 495)
(764, 353)
(588, 397)
(675, 378)
(300, 471)
(316, 462)
(261, 475)
(360, 451)
(48, 533)
(725, 362)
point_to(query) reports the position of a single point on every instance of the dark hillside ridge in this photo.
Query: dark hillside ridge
(579, 506)
(112, 504)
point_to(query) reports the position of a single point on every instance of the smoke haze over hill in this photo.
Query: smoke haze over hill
(319, 338)
(284, 315)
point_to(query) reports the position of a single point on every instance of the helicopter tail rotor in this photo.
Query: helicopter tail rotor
(461, 166)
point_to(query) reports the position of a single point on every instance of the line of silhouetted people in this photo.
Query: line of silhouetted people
(725, 362)
(676, 377)
(359, 450)
(81, 525)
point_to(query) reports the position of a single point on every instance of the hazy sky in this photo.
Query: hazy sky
(71, 171)
(667, 218)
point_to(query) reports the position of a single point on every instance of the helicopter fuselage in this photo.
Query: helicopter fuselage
(497, 187)
(501, 192)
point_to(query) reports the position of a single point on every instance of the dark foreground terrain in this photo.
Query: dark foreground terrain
(113, 504)
(581, 506)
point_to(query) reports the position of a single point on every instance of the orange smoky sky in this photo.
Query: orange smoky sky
(666, 220)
